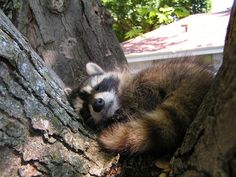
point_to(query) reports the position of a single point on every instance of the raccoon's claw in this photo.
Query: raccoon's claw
(67, 91)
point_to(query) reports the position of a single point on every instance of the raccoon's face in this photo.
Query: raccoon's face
(97, 95)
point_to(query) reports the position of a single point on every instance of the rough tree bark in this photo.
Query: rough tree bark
(209, 148)
(68, 34)
(39, 133)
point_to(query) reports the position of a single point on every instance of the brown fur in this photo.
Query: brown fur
(161, 101)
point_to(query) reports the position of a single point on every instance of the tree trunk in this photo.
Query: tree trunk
(40, 135)
(209, 148)
(68, 34)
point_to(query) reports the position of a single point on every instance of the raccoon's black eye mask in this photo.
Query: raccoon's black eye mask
(107, 84)
(84, 96)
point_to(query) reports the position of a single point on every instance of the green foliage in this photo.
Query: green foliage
(135, 17)
(135, 31)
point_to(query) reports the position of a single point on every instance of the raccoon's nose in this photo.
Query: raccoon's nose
(98, 105)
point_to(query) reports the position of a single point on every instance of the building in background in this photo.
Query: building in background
(199, 35)
(219, 5)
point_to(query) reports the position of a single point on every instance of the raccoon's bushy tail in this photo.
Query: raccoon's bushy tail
(159, 131)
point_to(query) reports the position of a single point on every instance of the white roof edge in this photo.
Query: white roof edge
(148, 56)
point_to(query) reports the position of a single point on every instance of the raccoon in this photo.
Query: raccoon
(144, 111)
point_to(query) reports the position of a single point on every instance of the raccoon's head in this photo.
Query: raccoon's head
(96, 96)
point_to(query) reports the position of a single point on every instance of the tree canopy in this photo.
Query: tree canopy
(135, 17)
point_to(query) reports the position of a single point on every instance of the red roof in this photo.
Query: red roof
(193, 32)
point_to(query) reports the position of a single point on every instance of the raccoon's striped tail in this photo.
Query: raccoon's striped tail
(159, 131)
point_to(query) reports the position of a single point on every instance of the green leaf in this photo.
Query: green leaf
(152, 14)
(136, 31)
(166, 9)
(161, 17)
(181, 12)
(142, 11)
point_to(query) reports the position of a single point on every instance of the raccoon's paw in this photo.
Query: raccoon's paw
(128, 137)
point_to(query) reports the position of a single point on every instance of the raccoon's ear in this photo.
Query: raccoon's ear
(93, 68)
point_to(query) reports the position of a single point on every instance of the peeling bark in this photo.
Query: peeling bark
(68, 34)
(40, 135)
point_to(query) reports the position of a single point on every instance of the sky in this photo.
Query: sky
(221, 5)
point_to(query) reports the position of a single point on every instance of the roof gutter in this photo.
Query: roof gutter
(149, 56)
